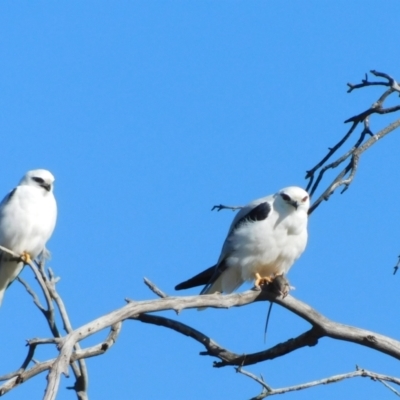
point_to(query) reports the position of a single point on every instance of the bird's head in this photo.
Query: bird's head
(40, 178)
(294, 198)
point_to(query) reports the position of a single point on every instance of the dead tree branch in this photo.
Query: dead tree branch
(71, 355)
(396, 267)
(321, 327)
(38, 368)
(352, 156)
(139, 310)
(268, 391)
(220, 207)
(47, 283)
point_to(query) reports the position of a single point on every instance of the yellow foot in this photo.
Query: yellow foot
(26, 258)
(262, 281)
(276, 283)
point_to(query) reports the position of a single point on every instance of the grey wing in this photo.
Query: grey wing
(256, 211)
(7, 198)
(9, 268)
(248, 208)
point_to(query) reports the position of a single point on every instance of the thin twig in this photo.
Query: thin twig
(48, 313)
(154, 288)
(353, 165)
(212, 347)
(32, 293)
(391, 388)
(49, 290)
(24, 365)
(346, 176)
(396, 267)
(40, 367)
(80, 370)
(222, 207)
(269, 391)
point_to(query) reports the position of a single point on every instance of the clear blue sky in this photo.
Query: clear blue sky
(149, 113)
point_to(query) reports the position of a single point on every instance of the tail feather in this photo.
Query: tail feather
(203, 278)
(229, 280)
(9, 270)
(218, 278)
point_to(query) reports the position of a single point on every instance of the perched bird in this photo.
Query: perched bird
(27, 219)
(265, 238)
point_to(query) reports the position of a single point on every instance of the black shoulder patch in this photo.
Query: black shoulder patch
(8, 197)
(258, 213)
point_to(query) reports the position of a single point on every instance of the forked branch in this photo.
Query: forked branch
(71, 355)
(352, 156)
(359, 372)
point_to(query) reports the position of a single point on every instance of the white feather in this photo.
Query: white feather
(267, 247)
(27, 220)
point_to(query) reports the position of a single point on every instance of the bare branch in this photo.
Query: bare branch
(321, 327)
(392, 389)
(32, 293)
(353, 165)
(396, 267)
(154, 288)
(48, 286)
(81, 374)
(76, 356)
(310, 173)
(71, 355)
(48, 313)
(364, 82)
(28, 359)
(352, 156)
(268, 391)
(213, 348)
(222, 207)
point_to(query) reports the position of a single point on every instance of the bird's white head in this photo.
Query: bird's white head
(293, 197)
(40, 178)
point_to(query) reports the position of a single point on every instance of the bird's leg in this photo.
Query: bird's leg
(277, 283)
(26, 257)
(262, 280)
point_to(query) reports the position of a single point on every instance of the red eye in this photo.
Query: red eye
(304, 199)
(285, 197)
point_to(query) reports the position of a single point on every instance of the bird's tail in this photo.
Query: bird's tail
(9, 270)
(217, 278)
(203, 278)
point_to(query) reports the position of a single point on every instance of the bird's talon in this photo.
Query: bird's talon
(26, 258)
(262, 280)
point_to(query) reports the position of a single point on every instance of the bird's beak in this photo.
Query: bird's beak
(295, 204)
(46, 186)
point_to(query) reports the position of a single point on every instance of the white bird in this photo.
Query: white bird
(27, 219)
(265, 238)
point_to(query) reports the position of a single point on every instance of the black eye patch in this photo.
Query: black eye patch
(285, 197)
(38, 180)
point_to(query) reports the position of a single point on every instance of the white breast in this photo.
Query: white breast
(27, 220)
(267, 247)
